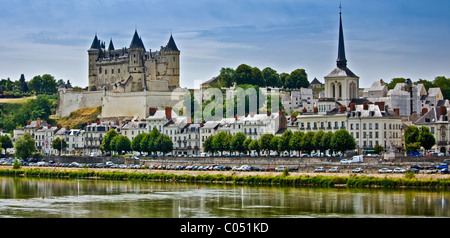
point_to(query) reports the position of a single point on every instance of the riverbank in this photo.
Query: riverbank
(435, 181)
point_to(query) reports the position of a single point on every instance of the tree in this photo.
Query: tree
(296, 141)
(307, 142)
(298, 79)
(342, 141)
(246, 145)
(411, 136)
(317, 141)
(325, 142)
(283, 144)
(237, 143)
(106, 142)
(59, 144)
(254, 146)
(226, 77)
(264, 143)
(24, 146)
(207, 145)
(271, 77)
(164, 143)
(426, 138)
(136, 142)
(243, 74)
(257, 78)
(121, 144)
(444, 84)
(221, 142)
(377, 149)
(275, 144)
(6, 142)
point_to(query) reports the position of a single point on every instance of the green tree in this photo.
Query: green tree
(226, 77)
(275, 144)
(317, 141)
(342, 141)
(59, 144)
(444, 84)
(35, 84)
(426, 138)
(325, 142)
(136, 142)
(207, 145)
(24, 146)
(6, 142)
(298, 79)
(237, 143)
(307, 142)
(271, 77)
(264, 143)
(254, 146)
(284, 144)
(378, 149)
(221, 142)
(296, 141)
(246, 145)
(164, 143)
(106, 142)
(121, 144)
(257, 78)
(243, 74)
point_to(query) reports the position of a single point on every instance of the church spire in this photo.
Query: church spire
(341, 60)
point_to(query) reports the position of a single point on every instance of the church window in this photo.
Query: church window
(340, 90)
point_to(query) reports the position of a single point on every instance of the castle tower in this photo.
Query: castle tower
(341, 84)
(94, 53)
(136, 65)
(173, 63)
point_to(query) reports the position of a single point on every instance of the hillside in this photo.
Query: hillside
(79, 118)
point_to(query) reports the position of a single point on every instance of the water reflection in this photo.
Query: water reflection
(51, 198)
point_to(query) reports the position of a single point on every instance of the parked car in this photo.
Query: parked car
(385, 170)
(358, 170)
(444, 171)
(292, 169)
(280, 169)
(399, 170)
(319, 169)
(431, 171)
(414, 170)
(345, 161)
(417, 166)
(334, 170)
(442, 166)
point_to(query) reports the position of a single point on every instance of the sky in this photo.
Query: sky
(384, 39)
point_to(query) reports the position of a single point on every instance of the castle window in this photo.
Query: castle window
(174, 59)
(106, 71)
(112, 71)
(118, 71)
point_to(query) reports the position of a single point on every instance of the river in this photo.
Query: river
(75, 198)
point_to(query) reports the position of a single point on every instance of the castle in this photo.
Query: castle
(126, 82)
(133, 69)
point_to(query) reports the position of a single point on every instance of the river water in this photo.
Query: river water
(55, 198)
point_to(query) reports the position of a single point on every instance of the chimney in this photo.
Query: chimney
(58, 126)
(424, 111)
(168, 112)
(269, 113)
(443, 110)
(365, 107)
(152, 111)
(28, 122)
(38, 122)
(201, 124)
(49, 126)
(293, 117)
(68, 128)
(236, 117)
(342, 109)
(380, 105)
(316, 109)
(117, 123)
(89, 122)
(352, 106)
(397, 111)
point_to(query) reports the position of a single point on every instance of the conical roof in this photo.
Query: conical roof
(171, 44)
(96, 43)
(111, 46)
(136, 42)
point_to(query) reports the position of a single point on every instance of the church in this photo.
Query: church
(133, 69)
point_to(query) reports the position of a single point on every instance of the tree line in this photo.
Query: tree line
(299, 142)
(245, 74)
(152, 142)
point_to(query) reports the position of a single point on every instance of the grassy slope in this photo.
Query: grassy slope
(78, 118)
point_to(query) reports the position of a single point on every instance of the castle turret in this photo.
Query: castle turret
(94, 53)
(136, 66)
(172, 52)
